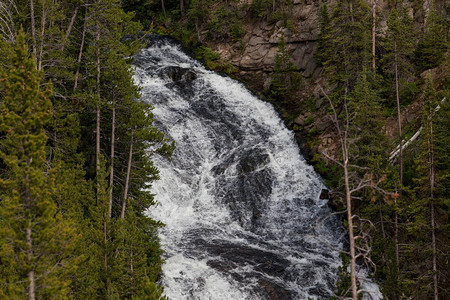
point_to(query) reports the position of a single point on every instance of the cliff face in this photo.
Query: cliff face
(254, 57)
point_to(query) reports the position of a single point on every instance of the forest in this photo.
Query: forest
(75, 137)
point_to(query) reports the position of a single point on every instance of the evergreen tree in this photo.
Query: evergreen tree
(431, 205)
(36, 241)
(286, 79)
(434, 44)
(346, 50)
(324, 35)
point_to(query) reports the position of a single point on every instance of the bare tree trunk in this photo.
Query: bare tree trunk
(80, 54)
(397, 250)
(111, 175)
(41, 46)
(433, 220)
(374, 5)
(399, 119)
(127, 180)
(164, 10)
(31, 278)
(197, 29)
(351, 13)
(182, 7)
(97, 130)
(69, 28)
(397, 254)
(131, 271)
(381, 221)
(350, 232)
(33, 28)
(106, 252)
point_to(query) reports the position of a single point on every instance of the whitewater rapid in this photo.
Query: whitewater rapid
(240, 204)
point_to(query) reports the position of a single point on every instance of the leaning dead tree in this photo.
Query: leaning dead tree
(394, 153)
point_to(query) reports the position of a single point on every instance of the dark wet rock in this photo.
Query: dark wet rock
(252, 160)
(324, 194)
(176, 73)
(274, 291)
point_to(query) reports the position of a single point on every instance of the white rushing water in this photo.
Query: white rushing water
(240, 204)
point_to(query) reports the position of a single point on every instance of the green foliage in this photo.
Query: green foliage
(399, 45)
(36, 242)
(226, 23)
(260, 9)
(434, 43)
(286, 79)
(85, 251)
(343, 284)
(344, 42)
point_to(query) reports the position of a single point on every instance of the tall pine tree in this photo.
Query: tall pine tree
(36, 241)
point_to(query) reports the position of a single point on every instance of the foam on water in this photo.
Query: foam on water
(239, 202)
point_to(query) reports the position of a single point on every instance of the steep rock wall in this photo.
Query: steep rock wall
(254, 56)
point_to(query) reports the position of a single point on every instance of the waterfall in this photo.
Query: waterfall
(241, 206)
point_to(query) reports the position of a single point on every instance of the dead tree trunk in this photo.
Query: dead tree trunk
(105, 233)
(33, 28)
(343, 139)
(69, 28)
(397, 251)
(31, 278)
(127, 179)
(164, 10)
(41, 45)
(97, 130)
(111, 175)
(80, 53)
(432, 210)
(182, 8)
(350, 232)
(374, 5)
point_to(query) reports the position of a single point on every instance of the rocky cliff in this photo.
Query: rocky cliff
(254, 57)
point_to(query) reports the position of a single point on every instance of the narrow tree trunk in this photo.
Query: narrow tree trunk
(374, 5)
(432, 212)
(131, 271)
(433, 245)
(97, 130)
(350, 233)
(111, 175)
(351, 13)
(381, 221)
(399, 120)
(106, 253)
(41, 46)
(31, 278)
(397, 252)
(127, 180)
(182, 8)
(80, 54)
(164, 10)
(33, 28)
(197, 29)
(69, 28)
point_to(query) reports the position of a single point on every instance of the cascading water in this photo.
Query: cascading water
(240, 204)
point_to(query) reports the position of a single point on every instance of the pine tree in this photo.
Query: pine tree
(36, 241)
(399, 46)
(434, 44)
(286, 79)
(346, 49)
(430, 211)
